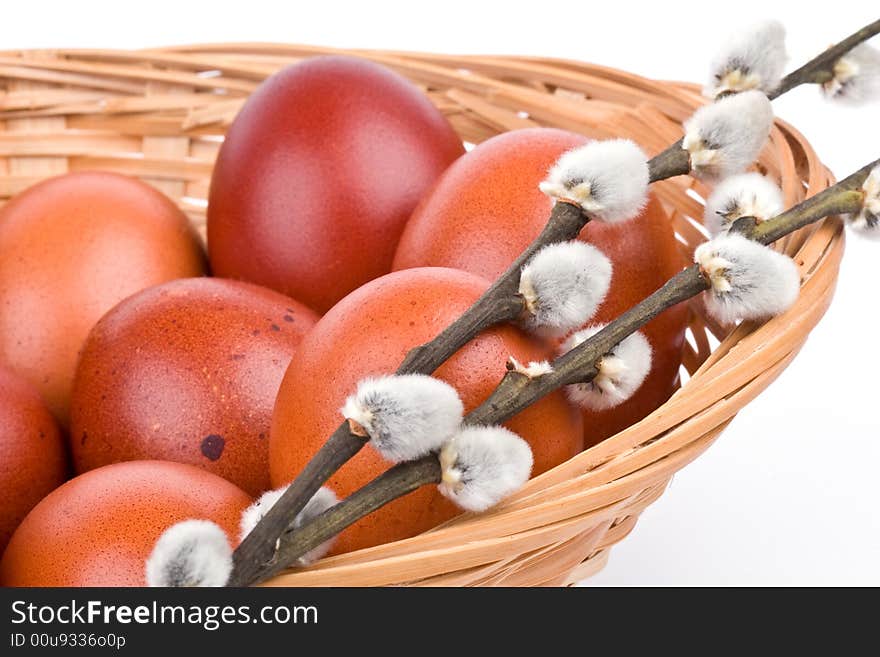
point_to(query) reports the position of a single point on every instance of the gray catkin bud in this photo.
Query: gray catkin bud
(563, 285)
(749, 280)
(405, 416)
(190, 553)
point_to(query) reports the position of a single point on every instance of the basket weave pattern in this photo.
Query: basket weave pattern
(160, 115)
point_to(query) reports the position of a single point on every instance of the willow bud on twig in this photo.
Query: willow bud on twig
(855, 76)
(620, 372)
(748, 280)
(608, 179)
(751, 58)
(405, 416)
(480, 466)
(742, 195)
(725, 137)
(190, 553)
(867, 221)
(563, 285)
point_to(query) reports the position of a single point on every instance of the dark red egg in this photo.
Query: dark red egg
(487, 208)
(188, 372)
(368, 333)
(318, 174)
(99, 528)
(33, 456)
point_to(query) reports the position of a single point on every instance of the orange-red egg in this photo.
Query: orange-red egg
(188, 372)
(318, 174)
(487, 208)
(99, 528)
(71, 248)
(33, 457)
(369, 333)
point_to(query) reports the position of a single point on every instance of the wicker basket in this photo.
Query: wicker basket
(159, 115)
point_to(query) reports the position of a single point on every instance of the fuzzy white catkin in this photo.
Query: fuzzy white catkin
(621, 372)
(190, 553)
(406, 416)
(856, 76)
(725, 137)
(609, 179)
(563, 285)
(483, 465)
(322, 500)
(749, 280)
(752, 58)
(867, 221)
(742, 195)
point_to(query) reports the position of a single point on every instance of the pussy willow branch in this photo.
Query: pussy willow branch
(499, 304)
(517, 391)
(821, 68)
(818, 70)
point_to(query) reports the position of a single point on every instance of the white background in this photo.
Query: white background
(789, 495)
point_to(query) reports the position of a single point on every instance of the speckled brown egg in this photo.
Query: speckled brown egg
(33, 456)
(368, 333)
(71, 248)
(487, 208)
(99, 528)
(187, 371)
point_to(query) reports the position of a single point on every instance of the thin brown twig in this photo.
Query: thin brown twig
(499, 304)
